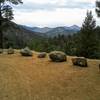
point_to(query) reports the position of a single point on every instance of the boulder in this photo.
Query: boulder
(57, 56)
(10, 51)
(42, 55)
(26, 52)
(1, 51)
(80, 61)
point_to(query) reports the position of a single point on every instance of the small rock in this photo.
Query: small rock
(10, 51)
(42, 55)
(26, 52)
(80, 61)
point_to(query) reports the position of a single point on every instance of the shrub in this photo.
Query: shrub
(57, 56)
(26, 52)
(80, 61)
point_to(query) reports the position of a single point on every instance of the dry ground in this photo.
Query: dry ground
(31, 78)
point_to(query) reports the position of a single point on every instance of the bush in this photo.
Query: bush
(10, 51)
(26, 52)
(57, 56)
(81, 61)
(42, 55)
(1, 51)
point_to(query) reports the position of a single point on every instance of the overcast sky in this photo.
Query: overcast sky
(52, 13)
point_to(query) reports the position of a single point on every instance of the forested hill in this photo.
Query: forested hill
(16, 35)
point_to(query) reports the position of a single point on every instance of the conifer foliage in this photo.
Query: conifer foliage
(98, 8)
(88, 42)
(6, 14)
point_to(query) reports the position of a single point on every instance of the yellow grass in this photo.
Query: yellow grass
(32, 78)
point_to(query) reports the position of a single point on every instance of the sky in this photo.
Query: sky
(53, 13)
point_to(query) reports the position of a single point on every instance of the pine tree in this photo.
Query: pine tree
(6, 14)
(88, 41)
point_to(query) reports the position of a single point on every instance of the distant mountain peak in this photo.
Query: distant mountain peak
(75, 27)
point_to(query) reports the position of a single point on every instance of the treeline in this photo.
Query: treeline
(68, 44)
(84, 43)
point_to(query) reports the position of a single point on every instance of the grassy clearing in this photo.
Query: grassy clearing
(31, 78)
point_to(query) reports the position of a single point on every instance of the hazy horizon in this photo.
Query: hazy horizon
(50, 26)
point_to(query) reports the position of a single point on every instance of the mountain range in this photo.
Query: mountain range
(51, 32)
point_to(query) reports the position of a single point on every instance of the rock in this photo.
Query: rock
(10, 51)
(26, 52)
(57, 56)
(42, 55)
(1, 51)
(80, 61)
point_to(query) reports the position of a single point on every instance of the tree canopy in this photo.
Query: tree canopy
(88, 40)
(98, 8)
(6, 9)
(6, 13)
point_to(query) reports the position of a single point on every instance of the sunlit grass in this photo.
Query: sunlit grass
(31, 78)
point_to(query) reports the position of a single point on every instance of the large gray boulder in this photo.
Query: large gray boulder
(80, 61)
(26, 52)
(42, 55)
(57, 56)
(10, 51)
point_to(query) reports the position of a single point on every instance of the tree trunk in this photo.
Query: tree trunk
(1, 33)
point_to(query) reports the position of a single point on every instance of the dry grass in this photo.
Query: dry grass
(31, 78)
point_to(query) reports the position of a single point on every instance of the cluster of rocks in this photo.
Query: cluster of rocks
(9, 51)
(58, 56)
(55, 56)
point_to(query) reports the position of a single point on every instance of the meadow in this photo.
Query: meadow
(32, 78)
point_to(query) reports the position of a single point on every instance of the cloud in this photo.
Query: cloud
(53, 5)
(53, 12)
(60, 17)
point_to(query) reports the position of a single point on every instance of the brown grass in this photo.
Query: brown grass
(31, 78)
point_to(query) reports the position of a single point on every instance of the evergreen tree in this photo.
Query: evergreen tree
(88, 41)
(6, 14)
(98, 8)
